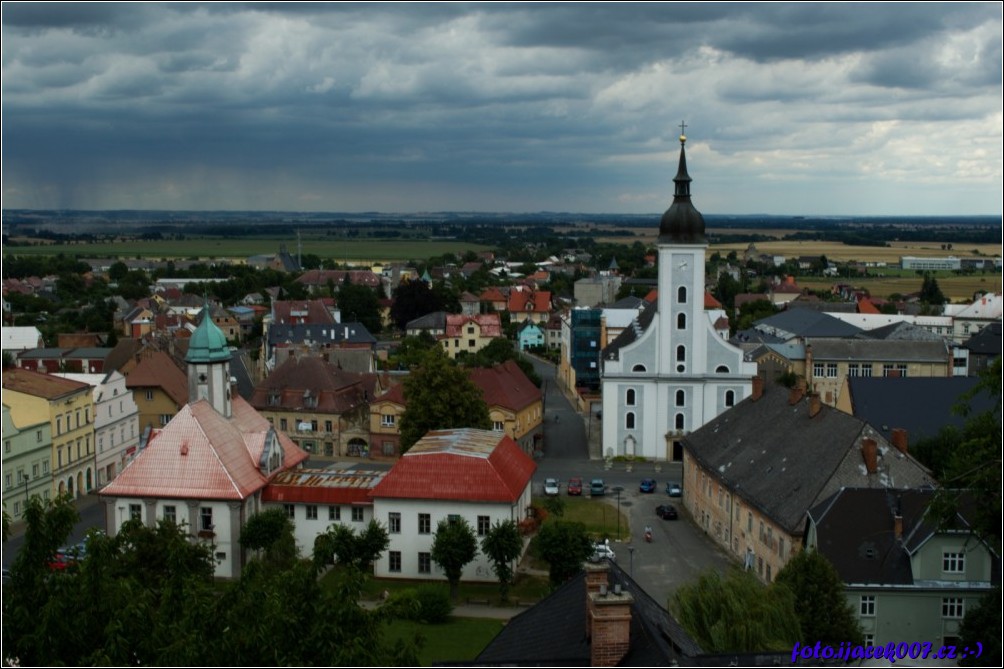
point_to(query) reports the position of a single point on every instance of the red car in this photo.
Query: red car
(575, 486)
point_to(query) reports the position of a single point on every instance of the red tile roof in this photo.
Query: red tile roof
(530, 301)
(710, 302)
(865, 306)
(490, 324)
(505, 386)
(159, 371)
(462, 465)
(41, 385)
(652, 296)
(302, 311)
(357, 277)
(336, 390)
(200, 454)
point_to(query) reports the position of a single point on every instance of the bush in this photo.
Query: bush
(404, 604)
(434, 603)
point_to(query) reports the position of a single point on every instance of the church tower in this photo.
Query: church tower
(208, 361)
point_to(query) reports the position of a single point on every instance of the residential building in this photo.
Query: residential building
(751, 474)
(433, 323)
(206, 469)
(21, 338)
(116, 423)
(478, 475)
(595, 290)
(323, 409)
(969, 320)
(159, 389)
(320, 280)
(530, 335)
(469, 334)
(68, 407)
(671, 372)
(904, 575)
(385, 417)
(348, 343)
(295, 312)
(27, 454)
(529, 305)
(983, 348)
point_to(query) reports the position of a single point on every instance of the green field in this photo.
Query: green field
(459, 640)
(955, 288)
(340, 250)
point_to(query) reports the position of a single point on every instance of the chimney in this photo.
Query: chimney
(900, 439)
(869, 451)
(609, 627)
(897, 527)
(795, 396)
(757, 388)
(815, 404)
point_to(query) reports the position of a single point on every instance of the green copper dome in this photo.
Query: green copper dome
(207, 344)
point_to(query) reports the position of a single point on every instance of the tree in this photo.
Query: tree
(270, 533)
(440, 396)
(737, 614)
(412, 350)
(453, 547)
(822, 610)
(930, 293)
(359, 303)
(983, 623)
(565, 545)
(341, 545)
(502, 544)
(411, 300)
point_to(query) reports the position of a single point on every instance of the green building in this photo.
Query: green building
(27, 450)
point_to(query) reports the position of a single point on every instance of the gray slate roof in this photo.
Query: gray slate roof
(987, 341)
(921, 406)
(879, 350)
(321, 333)
(435, 320)
(901, 331)
(632, 332)
(805, 323)
(777, 458)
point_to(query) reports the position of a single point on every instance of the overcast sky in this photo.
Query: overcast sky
(790, 108)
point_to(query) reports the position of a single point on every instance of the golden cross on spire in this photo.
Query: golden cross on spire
(683, 128)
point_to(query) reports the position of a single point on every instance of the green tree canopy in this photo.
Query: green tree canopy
(564, 545)
(411, 300)
(359, 303)
(503, 544)
(440, 396)
(341, 545)
(270, 534)
(737, 614)
(453, 547)
(823, 612)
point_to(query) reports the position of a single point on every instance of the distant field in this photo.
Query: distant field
(339, 250)
(955, 288)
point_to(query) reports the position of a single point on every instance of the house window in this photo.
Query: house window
(38, 435)
(135, 512)
(34, 471)
(394, 561)
(953, 563)
(424, 523)
(730, 398)
(453, 518)
(629, 421)
(334, 513)
(866, 370)
(866, 606)
(424, 563)
(206, 519)
(290, 510)
(171, 513)
(887, 369)
(681, 295)
(869, 640)
(165, 418)
(780, 547)
(470, 343)
(59, 425)
(394, 522)
(681, 397)
(629, 397)
(749, 522)
(357, 514)
(311, 512)
(679, 421)
(387, 420)
(681, 321)
(327, 426)
(388, 448)
(283, 424)
(853, 369)
(818, 369)
(45, 466)
(902, 370)
(831, 370)
(498, 425)
(7, 480)
(484, 524)
(6, 446)
(149, 396)
(953, 608)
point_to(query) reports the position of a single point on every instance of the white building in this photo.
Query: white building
(206, 469)
(116, 423)
(670, 372)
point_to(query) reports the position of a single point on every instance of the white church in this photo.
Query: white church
(670, 373)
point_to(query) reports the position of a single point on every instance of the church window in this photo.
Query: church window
(681, 353)
(681, 321)
(629, 421)
(730, 398)
(639, 368)
(679, 421)
(722, 369)
(680, 398)
(681, 295)
(630, 397)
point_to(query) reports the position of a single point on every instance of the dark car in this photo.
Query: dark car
(666, 512)
(647, 485)
(575, 486)
(673, 489)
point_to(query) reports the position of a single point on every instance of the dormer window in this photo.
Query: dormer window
(273, 398)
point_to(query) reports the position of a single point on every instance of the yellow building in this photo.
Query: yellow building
(469, 334)
(68, 407)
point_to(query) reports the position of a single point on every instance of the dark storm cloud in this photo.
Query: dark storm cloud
(564, 106)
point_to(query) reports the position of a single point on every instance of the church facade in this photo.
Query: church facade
(669, 373)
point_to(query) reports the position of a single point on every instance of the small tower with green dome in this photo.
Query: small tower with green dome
(208, 361)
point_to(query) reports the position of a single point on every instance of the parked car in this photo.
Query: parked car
(603, 552)
(597, 488)
(666, 512)
(673, 489)
(575, 486)
(67, 557)
(550, 486)
(647, 485)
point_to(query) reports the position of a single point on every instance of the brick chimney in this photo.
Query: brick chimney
(757, 388)
(897, 527)
(609, 627)
(795, 396)
(815, 404)
(869, 451)
(900, 439)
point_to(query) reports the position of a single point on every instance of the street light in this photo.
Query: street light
(618, 489)
(631, 551)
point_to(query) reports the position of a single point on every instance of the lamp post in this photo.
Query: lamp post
(631, 552)
(618, 489)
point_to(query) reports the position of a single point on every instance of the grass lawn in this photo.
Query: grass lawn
(528, 588)
(598, 515)
(459, 640)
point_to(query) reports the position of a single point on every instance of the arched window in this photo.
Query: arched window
(680, 396)
(722, 369)
(629, 421)
(629, 398)
(681, 353)
(679, 421)
(730, 398)
(681, 321)
(681, 295)
(639, 368)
